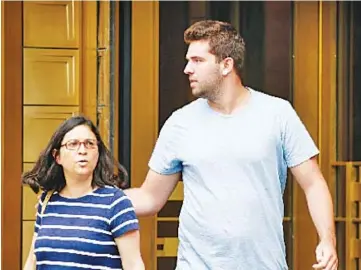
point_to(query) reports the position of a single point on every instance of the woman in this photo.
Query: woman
(88, 223)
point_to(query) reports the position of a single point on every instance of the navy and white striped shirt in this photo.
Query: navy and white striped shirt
(79, 233)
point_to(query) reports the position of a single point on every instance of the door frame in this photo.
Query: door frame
(144, 109)
(314, 100)
(11, 134)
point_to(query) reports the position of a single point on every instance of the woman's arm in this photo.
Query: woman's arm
(129, 250)
(31, 260)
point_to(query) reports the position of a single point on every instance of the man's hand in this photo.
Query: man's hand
(326, 256)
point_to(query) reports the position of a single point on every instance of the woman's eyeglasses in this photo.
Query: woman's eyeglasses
(75, 144)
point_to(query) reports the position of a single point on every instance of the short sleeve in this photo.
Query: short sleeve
(38, 217)
(122, 215)
(165, 157)
(298, 145)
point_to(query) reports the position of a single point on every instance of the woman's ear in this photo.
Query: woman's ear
(55, 155)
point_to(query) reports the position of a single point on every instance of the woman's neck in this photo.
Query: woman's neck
(76, 191)
(75, 188)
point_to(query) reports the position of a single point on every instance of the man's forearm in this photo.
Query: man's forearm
(143, 203)
(321, 209)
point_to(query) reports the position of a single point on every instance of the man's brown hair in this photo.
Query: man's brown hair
(224, 41)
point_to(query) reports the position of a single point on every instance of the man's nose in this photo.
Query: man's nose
(188, 69)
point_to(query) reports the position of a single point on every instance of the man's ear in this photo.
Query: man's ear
(55, 154)
(227, 65)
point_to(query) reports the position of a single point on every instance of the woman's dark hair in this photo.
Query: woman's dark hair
(47, 174)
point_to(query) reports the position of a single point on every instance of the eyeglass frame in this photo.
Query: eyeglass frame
(96, 143)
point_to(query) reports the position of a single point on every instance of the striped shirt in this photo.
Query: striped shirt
(79, 233)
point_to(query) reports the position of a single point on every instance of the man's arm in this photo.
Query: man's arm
(320, 205)
(153, 194)
(319, 200)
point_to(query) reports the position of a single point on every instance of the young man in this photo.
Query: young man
(233, 146)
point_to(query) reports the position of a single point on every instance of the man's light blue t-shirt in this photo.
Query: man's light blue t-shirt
(234, 170)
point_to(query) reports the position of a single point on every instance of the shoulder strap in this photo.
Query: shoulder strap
(46, 199)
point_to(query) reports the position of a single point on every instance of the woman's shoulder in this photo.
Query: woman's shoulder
(117, 197)
(111, 191)
(42, 194)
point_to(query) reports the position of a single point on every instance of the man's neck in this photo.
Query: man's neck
(231, 99)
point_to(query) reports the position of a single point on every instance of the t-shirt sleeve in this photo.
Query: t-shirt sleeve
(165, 156)
(38, 217)
(298, 145)
(122, 215)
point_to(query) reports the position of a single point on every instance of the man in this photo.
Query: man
(233, 146)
